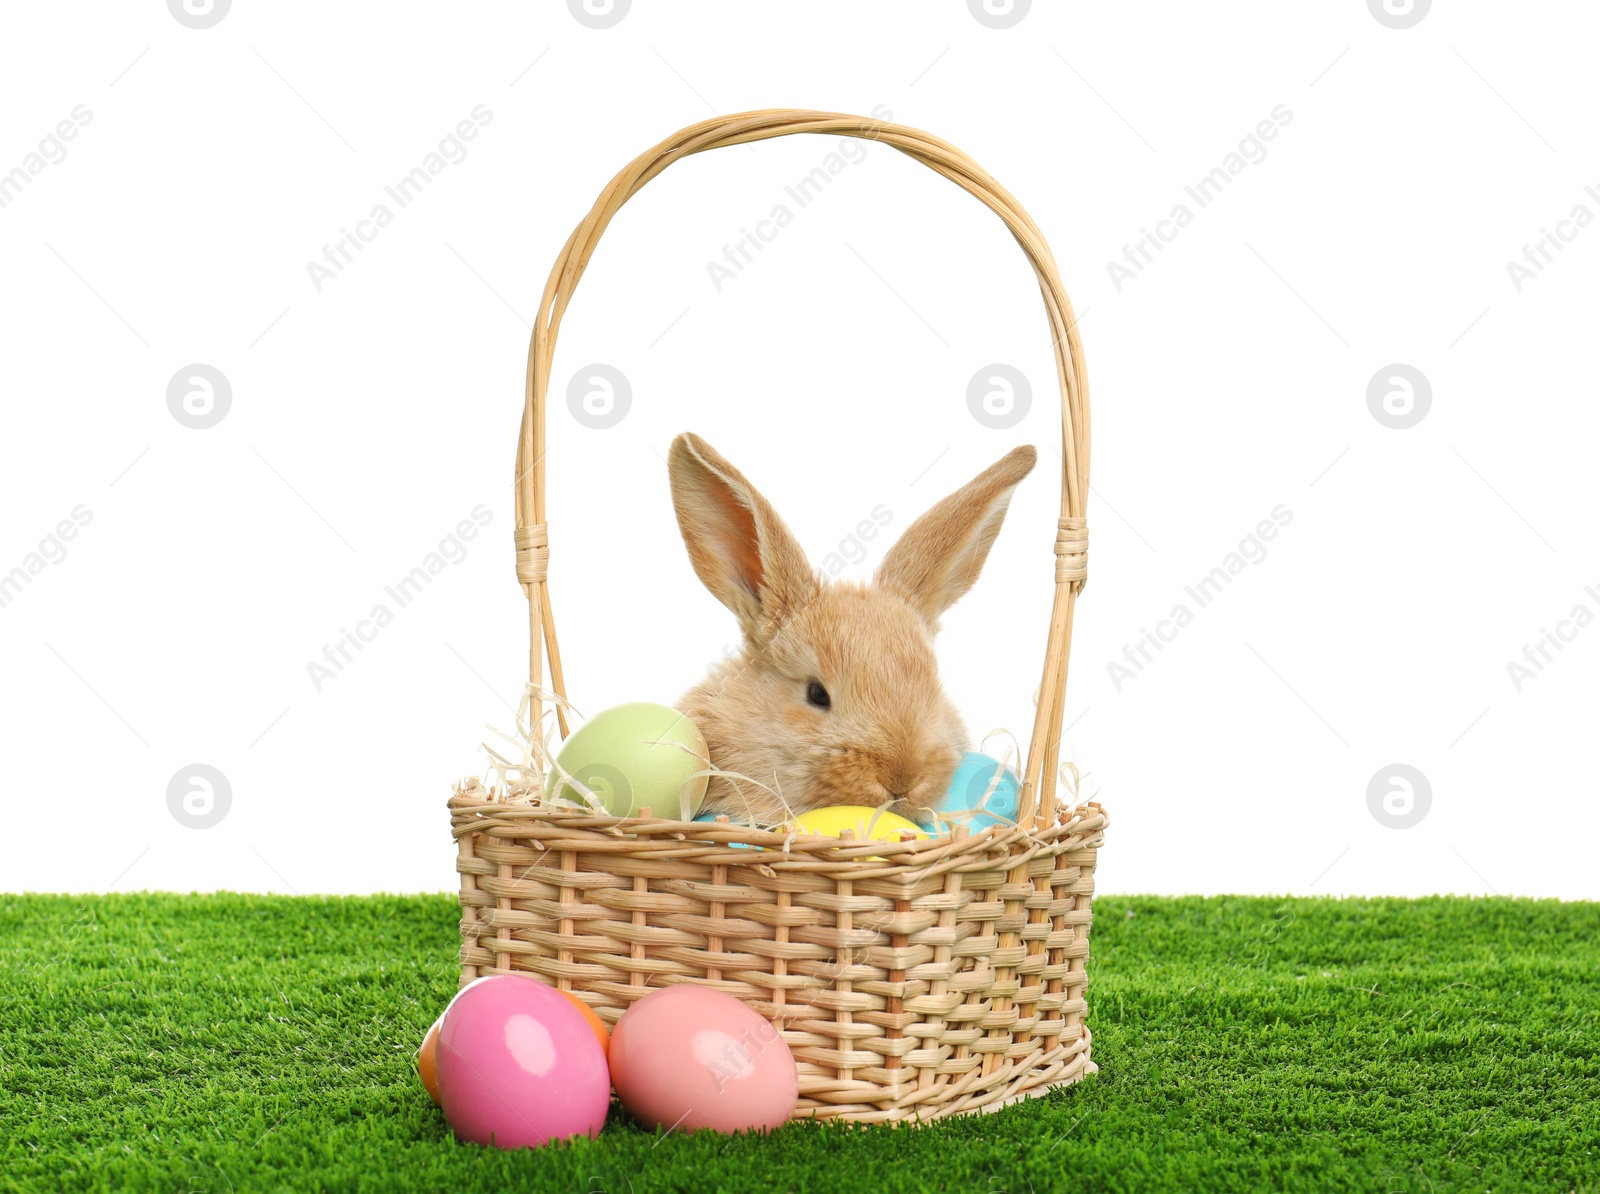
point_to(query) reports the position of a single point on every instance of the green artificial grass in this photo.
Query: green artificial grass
(232, 1043)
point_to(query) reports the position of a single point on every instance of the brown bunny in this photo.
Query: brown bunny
(834, 696)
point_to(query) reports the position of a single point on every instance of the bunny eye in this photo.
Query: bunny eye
(818, 695)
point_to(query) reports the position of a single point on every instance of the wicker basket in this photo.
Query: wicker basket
(912, 980)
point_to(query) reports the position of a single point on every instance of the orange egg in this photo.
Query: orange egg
(427, 1063)
(427, 1056)
(595, 1022)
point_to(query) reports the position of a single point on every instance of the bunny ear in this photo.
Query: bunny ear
(938, 558)
(738, 545)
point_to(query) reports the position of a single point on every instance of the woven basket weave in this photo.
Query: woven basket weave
(912, 980)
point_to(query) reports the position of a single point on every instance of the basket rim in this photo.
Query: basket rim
(539, 809)
(557, 829)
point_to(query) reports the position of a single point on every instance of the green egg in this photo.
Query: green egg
(636, 756)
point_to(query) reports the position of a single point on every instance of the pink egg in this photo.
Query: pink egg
(689, 1057)
(518, 1065)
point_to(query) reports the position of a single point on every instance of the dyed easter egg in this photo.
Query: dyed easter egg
(592, 1019)
(427, 1055)
(427, 1061)
(518, 1065)
(711, 818)
(963, 802)
(866, 823)
(636, 756)
(689, 1057)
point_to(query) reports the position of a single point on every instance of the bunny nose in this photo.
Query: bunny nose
(899, 782)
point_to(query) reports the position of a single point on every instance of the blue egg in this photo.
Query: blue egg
(711, 817)
(963, 802)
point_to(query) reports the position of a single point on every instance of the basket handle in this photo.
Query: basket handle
(1037, 797)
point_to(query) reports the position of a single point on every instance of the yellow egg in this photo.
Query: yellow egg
(868, 824)
(636, 756)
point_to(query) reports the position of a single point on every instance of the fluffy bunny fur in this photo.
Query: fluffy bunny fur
(891, 737)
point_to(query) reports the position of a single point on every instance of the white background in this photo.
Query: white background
(370, 417)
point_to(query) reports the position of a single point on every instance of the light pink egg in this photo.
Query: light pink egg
(689, 1057)
(519, 1066)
